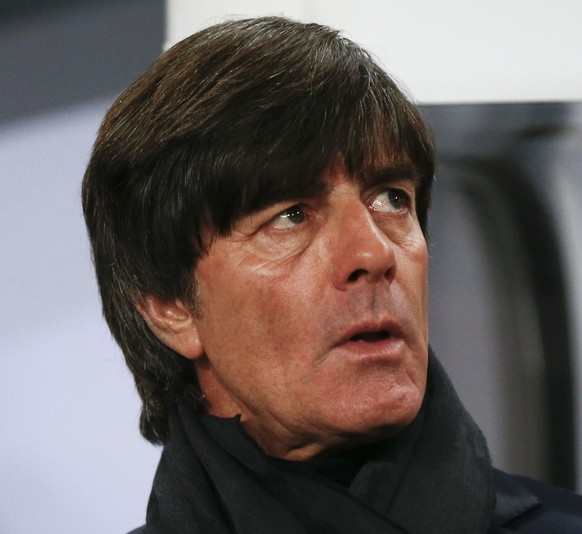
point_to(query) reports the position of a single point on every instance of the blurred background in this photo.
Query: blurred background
(501, 89)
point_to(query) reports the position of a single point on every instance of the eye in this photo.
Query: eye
(391, 200)
(289, 218)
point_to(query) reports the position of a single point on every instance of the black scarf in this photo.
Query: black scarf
(434, 477)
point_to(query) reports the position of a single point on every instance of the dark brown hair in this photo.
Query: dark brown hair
(233, 118)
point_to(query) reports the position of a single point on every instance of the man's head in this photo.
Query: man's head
(256, 203)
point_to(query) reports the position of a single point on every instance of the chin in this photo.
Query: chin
(388, 416)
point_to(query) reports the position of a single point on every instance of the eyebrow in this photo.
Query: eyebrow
(391, 173)
(295, 190)
(317, 186)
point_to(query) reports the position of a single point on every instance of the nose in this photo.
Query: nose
(363, 251)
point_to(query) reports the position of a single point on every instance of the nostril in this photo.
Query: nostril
(356, 274)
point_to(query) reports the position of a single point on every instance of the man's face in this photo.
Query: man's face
(314, 316)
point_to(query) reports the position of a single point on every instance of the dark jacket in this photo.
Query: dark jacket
(534, 507)
(526, 505)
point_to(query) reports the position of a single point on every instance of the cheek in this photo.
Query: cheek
(249, 307)
(414, 267)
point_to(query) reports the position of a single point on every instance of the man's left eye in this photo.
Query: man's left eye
(391, 200)
(289, 218)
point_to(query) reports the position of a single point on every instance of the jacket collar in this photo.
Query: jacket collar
(513, 500)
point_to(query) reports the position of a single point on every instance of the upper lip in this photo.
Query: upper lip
(387, 326)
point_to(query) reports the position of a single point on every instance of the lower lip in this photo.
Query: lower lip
(384, 349)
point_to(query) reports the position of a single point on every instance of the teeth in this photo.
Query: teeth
(370, 337)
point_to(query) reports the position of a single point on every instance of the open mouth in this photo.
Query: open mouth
(371, 337)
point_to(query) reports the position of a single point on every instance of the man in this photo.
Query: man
(257, 207)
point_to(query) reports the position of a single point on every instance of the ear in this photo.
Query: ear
(173, 324)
